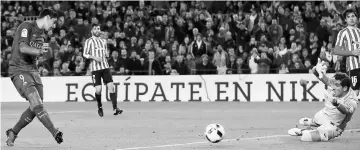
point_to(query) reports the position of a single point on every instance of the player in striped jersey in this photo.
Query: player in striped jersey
(348, 44)
(96, 50)
(340, 105)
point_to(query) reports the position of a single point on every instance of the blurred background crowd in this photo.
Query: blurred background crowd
(182, 38)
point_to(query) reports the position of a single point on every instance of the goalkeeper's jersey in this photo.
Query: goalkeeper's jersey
(335, 116)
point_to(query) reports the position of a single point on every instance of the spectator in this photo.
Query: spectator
(198, 49)
(180, 66)
(114, 61)
(283, 69)
(205, 67)
(275, 32)
(263, 63)
(232, 66)
(124, 61)
(133, 46)
(189, 29)
(251, 61)
(190, 62)
(221, 60)
(135, 67)
(242, 34)
(322, 32)
(152, 65)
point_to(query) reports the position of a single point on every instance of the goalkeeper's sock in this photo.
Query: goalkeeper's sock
(98, 99)
(311, 136)
(26, 117)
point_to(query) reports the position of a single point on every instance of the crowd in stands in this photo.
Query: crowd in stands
(182, 38)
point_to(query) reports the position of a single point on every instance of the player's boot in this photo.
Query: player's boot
(117, 111)
(295, 132)
(58, 137)
(100, 112)
(11, 136)
(305, 121)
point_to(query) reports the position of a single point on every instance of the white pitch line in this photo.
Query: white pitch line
(204, 142)
(59, 112)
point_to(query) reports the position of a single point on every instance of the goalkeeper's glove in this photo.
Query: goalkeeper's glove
(320, 68)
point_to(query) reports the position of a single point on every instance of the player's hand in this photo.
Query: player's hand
(321, 68)
(98, 59)
(333, 101)
(45, 48)
(356, 52)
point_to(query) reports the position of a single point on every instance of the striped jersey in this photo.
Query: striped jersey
(97, 47)
(349, 39)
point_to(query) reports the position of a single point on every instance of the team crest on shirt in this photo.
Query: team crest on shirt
(24, 33)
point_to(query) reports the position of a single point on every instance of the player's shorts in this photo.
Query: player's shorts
(320, 118)
(105, 74)
(23, 81)
(327, 129)
(355, 77)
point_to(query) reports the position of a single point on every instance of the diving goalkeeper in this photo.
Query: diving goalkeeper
(340, 104)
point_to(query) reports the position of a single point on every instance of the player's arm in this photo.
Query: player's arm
(26, 49)
(320, 72)
(87, 49)
(338, 49)
(107, 55)
(323, 79)
(24, 32)
(348, 107)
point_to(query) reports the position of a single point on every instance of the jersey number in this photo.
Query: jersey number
(354, 80)
(22, 78)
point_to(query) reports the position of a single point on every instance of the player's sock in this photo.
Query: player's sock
(44, 118)
(311, 136)
(26, 117)
(98, 99)
(113, 98)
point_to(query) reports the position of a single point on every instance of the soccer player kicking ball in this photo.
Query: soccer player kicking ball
(340, 104)
(27, 46)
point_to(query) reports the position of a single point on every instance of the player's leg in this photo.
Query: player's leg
(325, 132)
(309, 123)
(37, 107)
(107, 77)
(21, 83)
(35, 97)
(96, 78)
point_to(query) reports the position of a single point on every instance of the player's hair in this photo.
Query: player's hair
(94, 25)
(348, 11)
(344, 79)
(47, 12)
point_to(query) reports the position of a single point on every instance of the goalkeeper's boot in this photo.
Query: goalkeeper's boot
(11, 136)
(58, 137)
(295, 132)
(305, 121)
(117, 111)
(100, 112)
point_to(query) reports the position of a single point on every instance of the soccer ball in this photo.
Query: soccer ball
(214, 133)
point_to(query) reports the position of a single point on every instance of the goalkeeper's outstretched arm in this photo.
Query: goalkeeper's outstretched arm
(321, 75)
